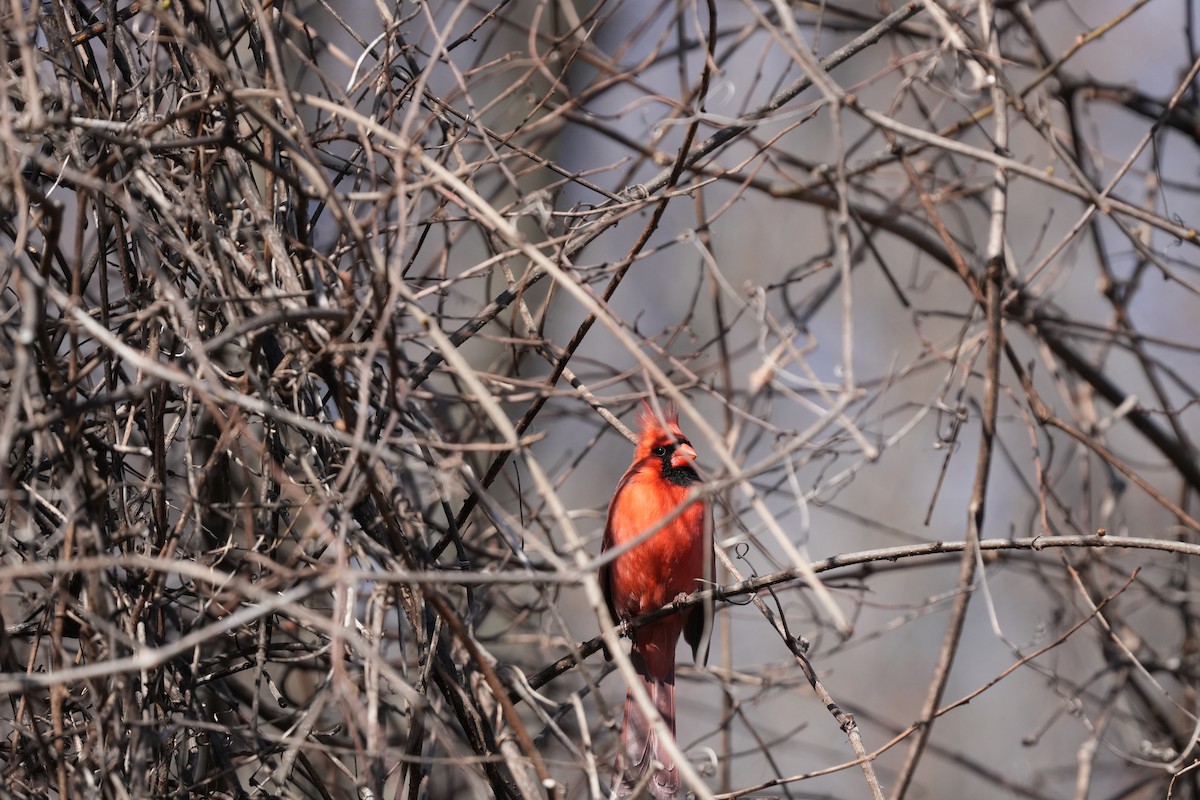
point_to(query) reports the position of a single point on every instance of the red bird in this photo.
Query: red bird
(673, 561)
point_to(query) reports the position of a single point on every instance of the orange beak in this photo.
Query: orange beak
(683, 454)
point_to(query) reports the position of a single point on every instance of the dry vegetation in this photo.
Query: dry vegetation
(319, 321)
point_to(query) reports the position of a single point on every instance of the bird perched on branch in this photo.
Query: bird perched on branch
(676, 559)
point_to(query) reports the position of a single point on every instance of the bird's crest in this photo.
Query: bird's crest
(651, 423)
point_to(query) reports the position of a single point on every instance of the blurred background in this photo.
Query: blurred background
(324, 325)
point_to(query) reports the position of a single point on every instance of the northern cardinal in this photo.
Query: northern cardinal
(673, 561)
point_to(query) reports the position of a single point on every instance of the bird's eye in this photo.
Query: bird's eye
(659, 451)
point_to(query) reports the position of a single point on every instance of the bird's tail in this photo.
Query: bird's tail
(644, 761)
